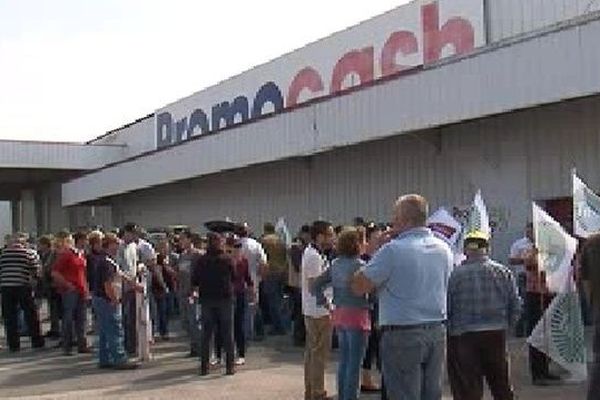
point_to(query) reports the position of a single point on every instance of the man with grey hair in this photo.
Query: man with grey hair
(410, 275)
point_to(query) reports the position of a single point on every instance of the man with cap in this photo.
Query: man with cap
(483, 302)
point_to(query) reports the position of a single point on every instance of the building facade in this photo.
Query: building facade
(437, 97)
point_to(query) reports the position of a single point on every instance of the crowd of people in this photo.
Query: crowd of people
(389, 294)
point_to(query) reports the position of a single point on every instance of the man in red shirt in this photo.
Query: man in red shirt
(69, 275)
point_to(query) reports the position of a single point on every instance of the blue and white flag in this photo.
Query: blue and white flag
(479, 219)
(556, 249)
(283, 232)
(560, 333)
(586, 209)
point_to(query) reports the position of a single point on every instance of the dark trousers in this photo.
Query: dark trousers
(474, 356)
(14, 298)
(273, 290)
(299, 330)
(239, 317)
(213, 313)
(74, 310)
(55, 306)
(534, 307)
(130, 322)
(594, 380)
(162, 315)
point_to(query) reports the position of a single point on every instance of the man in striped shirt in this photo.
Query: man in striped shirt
(19, 268)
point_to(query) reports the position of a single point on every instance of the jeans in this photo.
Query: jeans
(474, 356)
(299, 332)
(161, 315)
(353, 343)
(273, 291)
(12, 299)
(412, 362)
(239, 317)
(190, 314)
(318, 345)
(594, 379)
(217, 312)
(74, 309)
(111, 350)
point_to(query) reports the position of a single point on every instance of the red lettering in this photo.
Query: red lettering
(403, 42)
(356, 61)
(456, 31)
(307, 78)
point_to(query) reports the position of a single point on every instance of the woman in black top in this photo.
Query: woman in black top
(213, 276)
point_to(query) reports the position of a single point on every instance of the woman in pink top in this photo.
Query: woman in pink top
(351, 314)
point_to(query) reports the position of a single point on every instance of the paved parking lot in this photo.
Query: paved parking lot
(274, 371)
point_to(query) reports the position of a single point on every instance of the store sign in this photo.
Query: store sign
(419, 33)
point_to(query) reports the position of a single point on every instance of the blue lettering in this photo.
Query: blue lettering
(164, 129)
(198, 120)
(227, 111)
(181, 128)
(268, 93)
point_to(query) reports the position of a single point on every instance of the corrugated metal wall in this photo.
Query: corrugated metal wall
(513, 158)
(540, 70)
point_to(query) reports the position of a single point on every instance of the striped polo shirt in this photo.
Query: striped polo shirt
(18, 266)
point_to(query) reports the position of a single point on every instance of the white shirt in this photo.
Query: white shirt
(253, 251)
(519, 249)
(145, 251)
(313, 265)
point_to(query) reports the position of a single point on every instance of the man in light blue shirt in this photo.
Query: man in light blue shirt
(410, 275)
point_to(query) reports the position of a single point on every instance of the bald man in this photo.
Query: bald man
(410, 275)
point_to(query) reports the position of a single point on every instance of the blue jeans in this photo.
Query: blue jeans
(353, 343)
(273, 290)
(191, 320)
(161, 316)
(412, 362)
(111, 350)
(73, 320)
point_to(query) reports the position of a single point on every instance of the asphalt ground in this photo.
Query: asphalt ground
(274, 370)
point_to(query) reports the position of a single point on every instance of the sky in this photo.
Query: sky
(70, 70)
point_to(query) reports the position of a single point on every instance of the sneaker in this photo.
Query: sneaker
(215, 362)
(240, 361)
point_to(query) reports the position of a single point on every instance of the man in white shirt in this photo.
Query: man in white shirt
(253, 251)
(316, 318)
(519, 251)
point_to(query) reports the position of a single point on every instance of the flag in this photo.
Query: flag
(479, 219)
(556, 249)
(282, 231)
(586, 209)
(560, 333)
(445, 226)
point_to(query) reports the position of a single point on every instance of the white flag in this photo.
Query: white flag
(560, 333)
(282, 231)
(556, 249)
(445, 226)
(479, 219)
(586, 209)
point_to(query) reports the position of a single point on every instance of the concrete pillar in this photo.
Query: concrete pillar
(28, 212)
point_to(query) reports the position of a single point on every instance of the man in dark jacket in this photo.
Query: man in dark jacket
(213, 276)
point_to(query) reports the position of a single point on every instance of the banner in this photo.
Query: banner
(445, 226)
(556, 249)
(560, 333)
(586, 209)
(283, 232)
